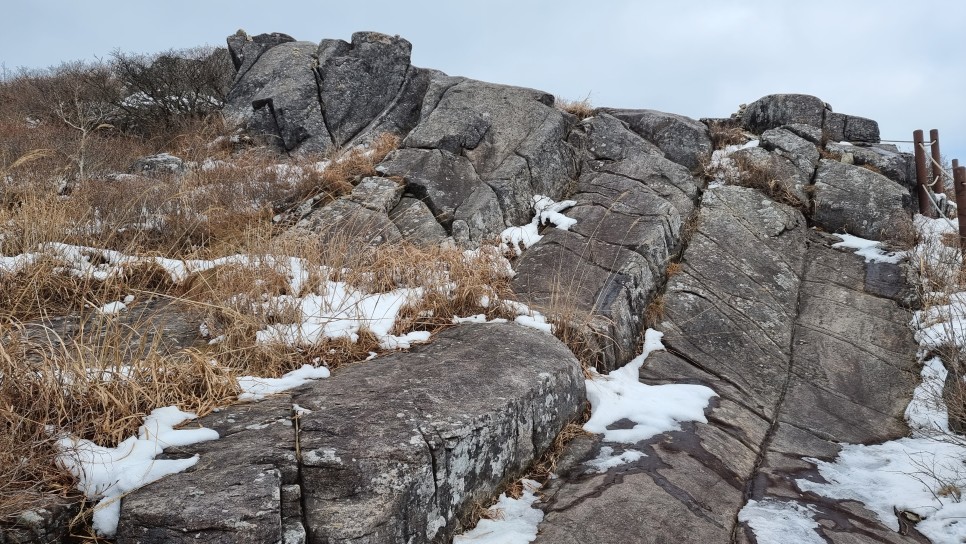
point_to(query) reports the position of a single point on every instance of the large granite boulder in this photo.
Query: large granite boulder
(774, 173)
(896, 165)
(682, 139)
(839, 127)
(245, 50)
(362, 217)
(775, 110)
(800, 151)
(278, 98)
(513, 137)
(396, 450)
(857, 200)
(316, 97)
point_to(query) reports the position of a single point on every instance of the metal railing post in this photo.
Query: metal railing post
(925, 208)
(959, 181)
(937, 171)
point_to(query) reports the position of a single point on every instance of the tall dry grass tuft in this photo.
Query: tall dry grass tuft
(582, 109)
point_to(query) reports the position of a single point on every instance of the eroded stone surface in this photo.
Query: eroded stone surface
(857, 200)
(393, 450)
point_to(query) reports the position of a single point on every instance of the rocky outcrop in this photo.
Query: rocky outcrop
(794, 370)
(805, 346)
(513, 137)
(857, 200)
(314, 97)
(394, 450)
(631, 207)
(681, 139)
(776, 110)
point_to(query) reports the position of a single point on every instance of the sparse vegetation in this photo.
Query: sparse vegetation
(582, 109)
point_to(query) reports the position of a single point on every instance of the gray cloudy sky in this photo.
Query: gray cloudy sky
(902, 63)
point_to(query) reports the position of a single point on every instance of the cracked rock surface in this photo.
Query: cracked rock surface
(802, 356)
(396, 449)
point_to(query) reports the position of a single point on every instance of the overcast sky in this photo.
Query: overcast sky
(902, 63)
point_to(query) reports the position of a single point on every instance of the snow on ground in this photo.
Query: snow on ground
(654, 409)
(545, 211)
(514, 521)
(106, 474)
(923, 473)
(606, 459)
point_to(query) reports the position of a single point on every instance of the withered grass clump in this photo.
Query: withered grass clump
(725, 133)
(582, 109)
(757, 176)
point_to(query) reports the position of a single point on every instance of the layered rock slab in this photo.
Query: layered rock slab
(727, 325)
(393, 450)
(631, 205)
(758, 314)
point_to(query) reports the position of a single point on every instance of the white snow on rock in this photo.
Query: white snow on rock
(106, 474)
(513, 521)
(545, 211)
(255, 388)
(112, 308)
(606, 459)
(870, 250)
(654, 409)
(781, 522)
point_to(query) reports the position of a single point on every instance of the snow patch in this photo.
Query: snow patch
(513, 521)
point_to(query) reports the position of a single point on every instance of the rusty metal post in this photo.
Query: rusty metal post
(937, 171)
(955, 164)
(959, 181)
(925, 208)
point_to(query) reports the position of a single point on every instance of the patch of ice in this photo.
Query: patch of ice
(545, 211)
(606, 459)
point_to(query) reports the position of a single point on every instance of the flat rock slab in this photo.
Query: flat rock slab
(395, 450)
(801, 355)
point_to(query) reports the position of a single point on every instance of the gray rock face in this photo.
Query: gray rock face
(394, 450)
(416, 223)
(755, 314)
(278, 98)
(682, 139)
(158, 165)
(789, 145)
(898, 166)
(776, 168)
(602, 274)
(839, 127)
(451, 422)
(857, 200)
(368, 82)
(775, 110)
(443, 180)
(315, 97)
(245, 49)
(513, 137)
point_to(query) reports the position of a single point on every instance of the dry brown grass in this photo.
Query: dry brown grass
(582, 109)
(725, 133)
(756, 176)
